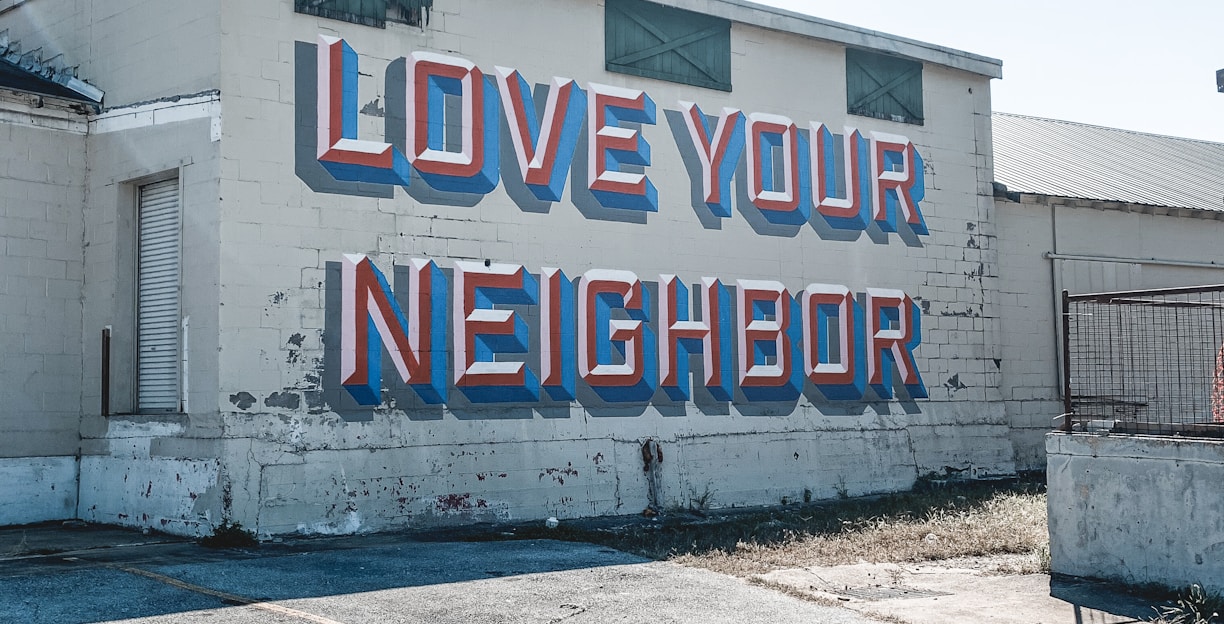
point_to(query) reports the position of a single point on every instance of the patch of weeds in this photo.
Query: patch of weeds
(1193, 606)
(226, 535)
(1043, 558)
(699, 503)
(842, 492)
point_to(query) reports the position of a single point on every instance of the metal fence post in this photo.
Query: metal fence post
(1066, 353)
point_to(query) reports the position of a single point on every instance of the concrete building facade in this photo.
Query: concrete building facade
(479, 267)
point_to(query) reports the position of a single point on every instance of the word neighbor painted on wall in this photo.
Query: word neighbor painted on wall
(453, 143)
(604, 329)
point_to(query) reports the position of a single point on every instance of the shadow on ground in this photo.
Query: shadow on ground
(1089, 595)
(105, 583)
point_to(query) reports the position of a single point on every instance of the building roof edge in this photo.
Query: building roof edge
(774, 18)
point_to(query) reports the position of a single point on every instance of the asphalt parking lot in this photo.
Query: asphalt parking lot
(75, 573)
(127, 577)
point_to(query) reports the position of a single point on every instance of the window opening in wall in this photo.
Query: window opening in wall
(375, 13)
(410, 12)
(157, 297)
(884, 87)
(654, 41)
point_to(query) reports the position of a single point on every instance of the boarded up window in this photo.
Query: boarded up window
(368, 12)
(665, 43)
(157, 298)
(884, 87)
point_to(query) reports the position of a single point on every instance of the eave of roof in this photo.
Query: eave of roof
(774, 18)
(28, 72)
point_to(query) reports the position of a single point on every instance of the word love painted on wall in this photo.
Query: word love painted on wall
(452, 142)
(606, 330)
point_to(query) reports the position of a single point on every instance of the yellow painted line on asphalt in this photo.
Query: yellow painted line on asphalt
(226, 596)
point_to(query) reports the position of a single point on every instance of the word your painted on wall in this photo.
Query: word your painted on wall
(622, 339)
(452, 116)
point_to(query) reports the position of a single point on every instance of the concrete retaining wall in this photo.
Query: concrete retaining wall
(1137, 509)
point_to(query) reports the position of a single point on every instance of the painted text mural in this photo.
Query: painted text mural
(498, 332)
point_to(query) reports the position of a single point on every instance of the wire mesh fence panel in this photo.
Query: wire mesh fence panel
(1146, 361)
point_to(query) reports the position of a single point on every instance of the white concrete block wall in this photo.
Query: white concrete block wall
(1145, 248)
(38, 489)
(42, 177)
(261, 247)
(145, 471)
(1029, 350)
(186, 499)
(122, 161)
(288, 450)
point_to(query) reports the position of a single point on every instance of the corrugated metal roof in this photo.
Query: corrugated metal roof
(1051, 157)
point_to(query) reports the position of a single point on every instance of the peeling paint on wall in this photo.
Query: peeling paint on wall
(243, 400)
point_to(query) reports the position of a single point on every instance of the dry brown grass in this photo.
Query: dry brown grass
(1007, 522)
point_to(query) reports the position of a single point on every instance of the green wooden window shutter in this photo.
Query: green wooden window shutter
(653, 41)
(885, 87)
(366, 12)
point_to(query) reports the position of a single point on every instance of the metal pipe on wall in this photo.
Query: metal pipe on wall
(106, 357)
(1156, 261)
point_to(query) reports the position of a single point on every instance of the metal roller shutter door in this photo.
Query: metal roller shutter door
(157, 310)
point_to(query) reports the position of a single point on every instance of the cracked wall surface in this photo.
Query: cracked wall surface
(273, 436)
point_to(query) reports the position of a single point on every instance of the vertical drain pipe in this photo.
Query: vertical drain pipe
(105, 409)
(106, 361)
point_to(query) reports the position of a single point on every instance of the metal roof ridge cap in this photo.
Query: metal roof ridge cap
(995, 113)
(752, 13)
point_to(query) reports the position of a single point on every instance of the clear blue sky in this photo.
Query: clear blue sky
(1140, 65)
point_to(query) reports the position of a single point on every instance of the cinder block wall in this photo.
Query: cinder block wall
(1131, 249)
(274, 441)
(300, 455)
(42, 175)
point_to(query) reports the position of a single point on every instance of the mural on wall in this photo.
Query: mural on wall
(850, 181)
(496, 333)
(821, 335)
